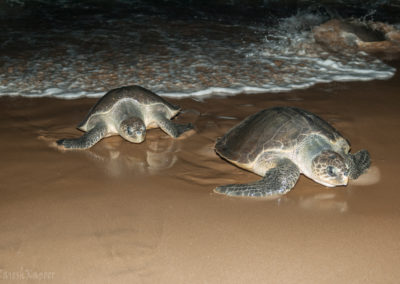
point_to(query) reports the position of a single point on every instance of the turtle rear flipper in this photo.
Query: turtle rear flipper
(358, 163)
(277, 180)
(87, 140)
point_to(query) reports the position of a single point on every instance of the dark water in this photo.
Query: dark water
(71, 49)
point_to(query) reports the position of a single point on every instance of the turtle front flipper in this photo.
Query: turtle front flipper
(358, 163)
(87, 140)
(277, 180)
(172, 129)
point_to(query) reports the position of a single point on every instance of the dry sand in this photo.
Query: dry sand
(125, 213)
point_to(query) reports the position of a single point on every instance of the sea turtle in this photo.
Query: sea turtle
(280, 143)
(126, 111)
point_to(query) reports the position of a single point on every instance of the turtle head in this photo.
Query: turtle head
(330, 169)
(133, 130)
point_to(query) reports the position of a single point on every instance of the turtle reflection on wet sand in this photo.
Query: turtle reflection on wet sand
(281, 143)
(127, 111)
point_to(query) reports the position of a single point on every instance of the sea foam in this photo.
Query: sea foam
(176, 58)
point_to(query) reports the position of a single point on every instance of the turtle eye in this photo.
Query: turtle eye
(331, 171)
(129, 130)
(138, 132)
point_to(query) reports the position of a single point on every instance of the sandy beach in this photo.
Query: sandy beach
(126, 213)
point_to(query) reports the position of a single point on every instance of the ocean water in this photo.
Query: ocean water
(174, 57)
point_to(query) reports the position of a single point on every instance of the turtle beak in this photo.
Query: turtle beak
(140, 135)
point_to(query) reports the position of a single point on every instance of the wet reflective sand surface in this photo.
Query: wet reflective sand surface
(125, 213)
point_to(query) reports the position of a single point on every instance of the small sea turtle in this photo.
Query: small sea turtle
(280, 143)
(126, 111)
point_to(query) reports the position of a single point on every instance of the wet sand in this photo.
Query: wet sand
(125, 213)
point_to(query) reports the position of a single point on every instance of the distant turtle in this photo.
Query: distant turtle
(126, 111)
(280, 143)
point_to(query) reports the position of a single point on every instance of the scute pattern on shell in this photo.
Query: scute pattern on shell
(278, 128)
(137, 93)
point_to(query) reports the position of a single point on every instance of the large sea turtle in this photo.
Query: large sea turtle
(280, 143)
(126, 111)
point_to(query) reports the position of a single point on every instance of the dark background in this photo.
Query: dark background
(253, 10)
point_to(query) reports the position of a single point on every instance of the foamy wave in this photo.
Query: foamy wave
(177, 59)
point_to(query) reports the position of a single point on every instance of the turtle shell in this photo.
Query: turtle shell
(138, 94)
(276, 129)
